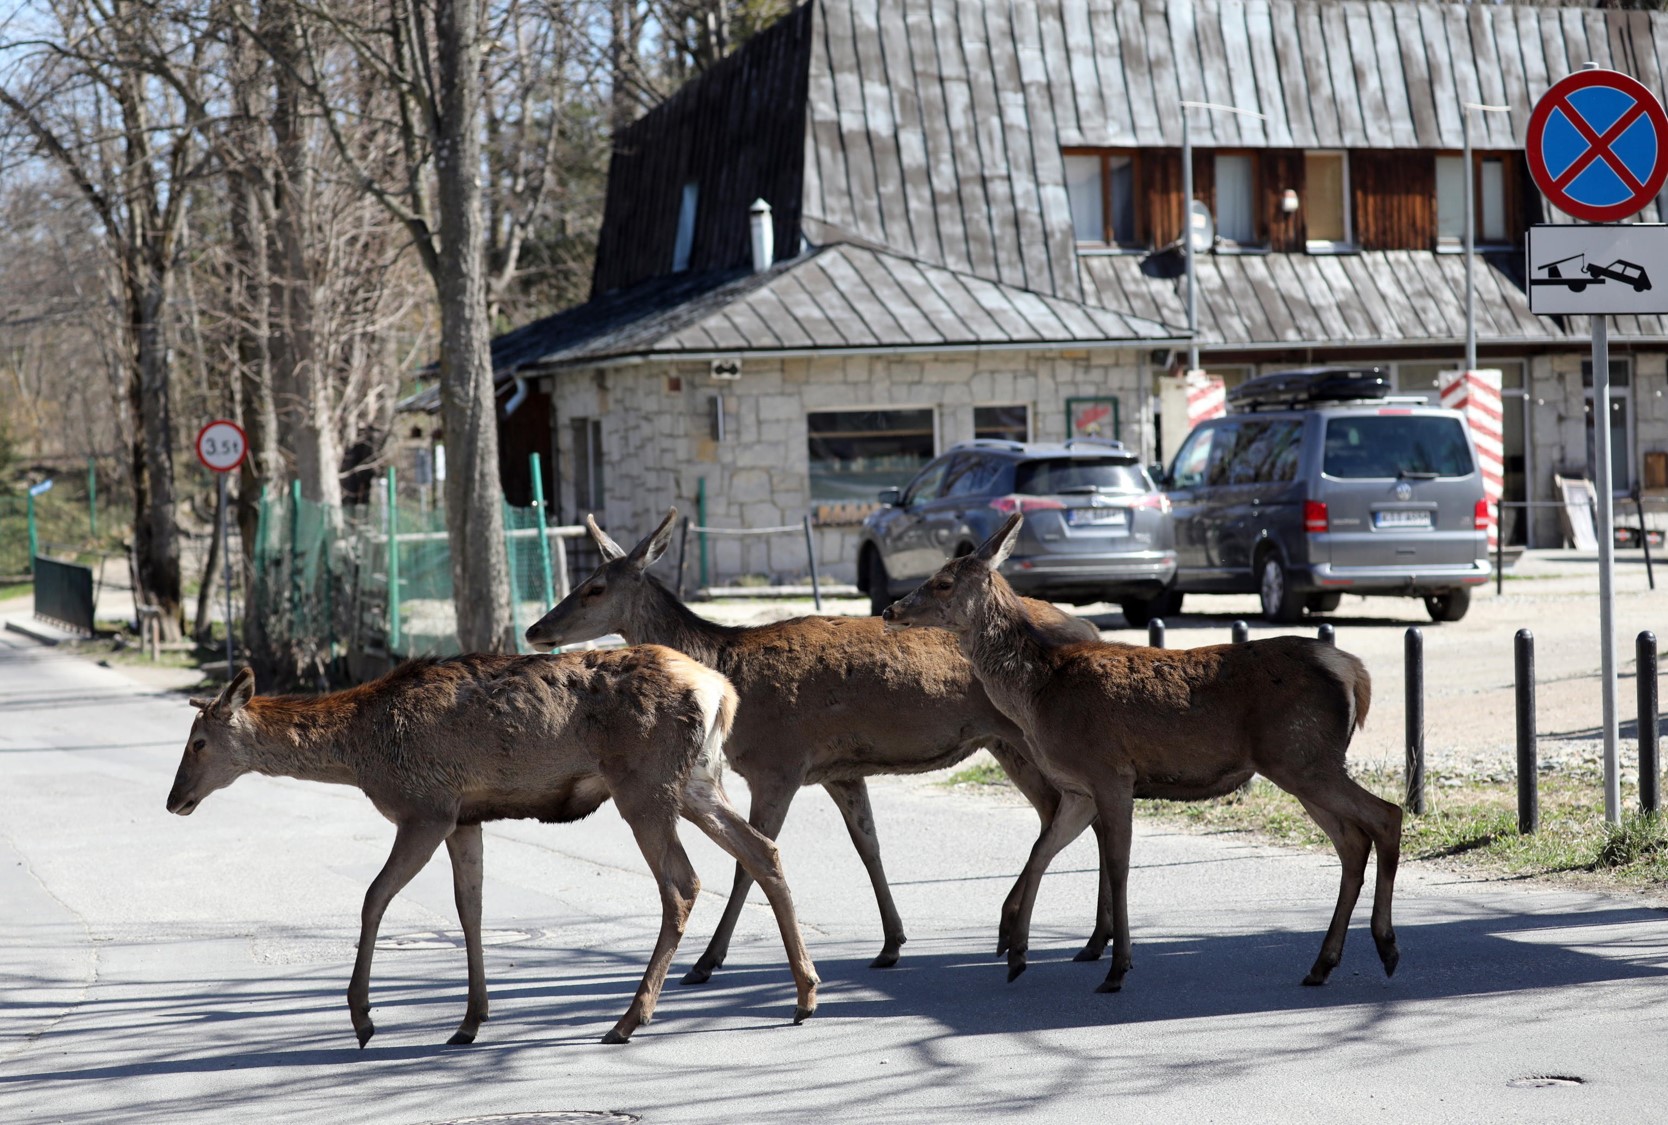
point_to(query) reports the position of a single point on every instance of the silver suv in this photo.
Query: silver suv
(1318, 484)
(1096, 526)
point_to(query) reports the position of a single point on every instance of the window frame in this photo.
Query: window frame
(1030, 417)
(1347, 244)
(1508, 176)
(1258, 243)
(1136, 243)
(934, 413)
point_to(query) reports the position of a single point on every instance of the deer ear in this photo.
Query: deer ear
(993, 552)
(202, 703)
(610, 549)
(236, 694)
(654, 545)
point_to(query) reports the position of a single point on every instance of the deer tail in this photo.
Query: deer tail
(716, 698)
(1351, 675)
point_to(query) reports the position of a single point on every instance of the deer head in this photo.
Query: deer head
(950, 598)
(213, 753)
(607, 601)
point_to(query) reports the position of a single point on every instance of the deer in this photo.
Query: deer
(825, 701)
(1108, 724)
(442, 746)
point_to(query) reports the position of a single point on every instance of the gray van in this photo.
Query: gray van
(1320, 483)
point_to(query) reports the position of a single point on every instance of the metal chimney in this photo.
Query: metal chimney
(764, 235)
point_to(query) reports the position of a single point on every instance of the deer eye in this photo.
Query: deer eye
(595, 591)
(199, 744)
(945, 585)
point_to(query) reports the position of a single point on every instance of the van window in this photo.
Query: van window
(1188, 470)
(1077, 474)
(1388, 446)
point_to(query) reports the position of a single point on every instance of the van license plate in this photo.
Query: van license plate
(1099, 517)
(1420, 518)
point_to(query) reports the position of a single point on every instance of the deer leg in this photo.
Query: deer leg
(852, 799)
(709, 809)
(657, 835)
(1075, 813)
(1116, 807)
(464, 847)
(414, 843)
(1102, 932)
(770, 809)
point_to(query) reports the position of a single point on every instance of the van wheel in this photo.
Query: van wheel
(880, 585)
(1448, 607)
(1281, 604)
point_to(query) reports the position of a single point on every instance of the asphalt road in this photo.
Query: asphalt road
(158, 969)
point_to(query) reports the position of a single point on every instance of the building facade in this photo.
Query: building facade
(974, 214)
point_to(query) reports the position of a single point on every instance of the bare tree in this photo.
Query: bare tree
(88, 96)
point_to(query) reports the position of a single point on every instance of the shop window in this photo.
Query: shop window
(853, 454)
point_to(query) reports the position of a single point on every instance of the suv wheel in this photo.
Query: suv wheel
(1448, 607)
(1139, 613)
(880, 595)
(1324, 603)
(1281, 604)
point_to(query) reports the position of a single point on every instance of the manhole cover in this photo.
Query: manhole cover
(547, 1117)
(1536, 1081)
(436, 939)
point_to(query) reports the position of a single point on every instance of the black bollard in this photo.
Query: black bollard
(1648, 767)
(1528, 767)
(1155, 632)
(1415, 661)
(1241, 632)
(1326, 635)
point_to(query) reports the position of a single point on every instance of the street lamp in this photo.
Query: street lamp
(1471, 228)
(1187, 218)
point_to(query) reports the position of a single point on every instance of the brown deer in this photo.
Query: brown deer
(441, 746)
(1108, 724)
(825, 701)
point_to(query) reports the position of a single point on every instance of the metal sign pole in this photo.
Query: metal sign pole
(226, 552)
(1607, 559)
(1187, 244)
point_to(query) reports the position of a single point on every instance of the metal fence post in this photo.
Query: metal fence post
(544, 540)
(92, 497)
(701, 521)
(393, 565)
(1528, 767)
(1415, 661)
(295, 559)
(811, 553)
(1326, 635)
(1499, 548)
(34, 543)
(1644, 537)
(1155, 633)
(1240, 632)
(1649, 770)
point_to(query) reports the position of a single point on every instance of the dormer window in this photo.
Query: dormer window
(1326, 210)
(1100, 186)
(1235, 192)
(684, 242)
(1490, 187)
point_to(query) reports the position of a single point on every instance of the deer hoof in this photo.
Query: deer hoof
(1090, 952)
(614, 1036)
(700, 974)
(884, 961)
(364, 1033)
(1316, 977)
(1110, 986)
(1016, 965)
(1391, 958)
(461, 1039)
(801, 1014)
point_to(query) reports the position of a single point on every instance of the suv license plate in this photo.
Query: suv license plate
(1099, 517)
(1403, 518)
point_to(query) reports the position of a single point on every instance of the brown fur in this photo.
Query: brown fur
(441, 746)
(825, 700)
(1110, 723)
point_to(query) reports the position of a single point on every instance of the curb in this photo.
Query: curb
(37, 633)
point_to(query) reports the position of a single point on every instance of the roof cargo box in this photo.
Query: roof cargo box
(1286, 390)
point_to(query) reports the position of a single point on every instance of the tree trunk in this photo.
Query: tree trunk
(468, 410)
(156, 530)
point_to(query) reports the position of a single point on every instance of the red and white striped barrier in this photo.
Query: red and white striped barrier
(1476, 394)
(1207, 397)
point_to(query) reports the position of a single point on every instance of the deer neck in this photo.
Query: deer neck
(307, 739)
(661, 619)
(1002, 644)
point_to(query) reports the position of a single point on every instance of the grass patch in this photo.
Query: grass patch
(8, 591)
(1469, 826)
(980, 773)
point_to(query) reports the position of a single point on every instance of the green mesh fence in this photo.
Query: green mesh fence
(328, 588)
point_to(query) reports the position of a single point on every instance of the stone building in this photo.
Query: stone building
(974, 213)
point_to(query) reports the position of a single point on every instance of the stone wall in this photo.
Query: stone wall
(659, 448)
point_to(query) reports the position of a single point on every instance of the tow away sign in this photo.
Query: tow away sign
(1594, 269)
